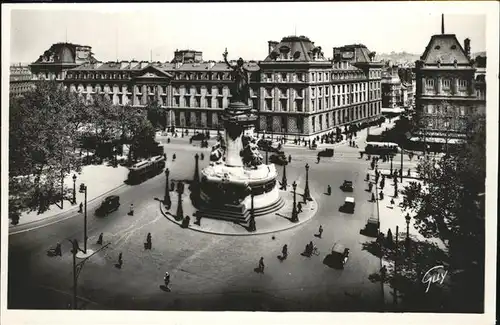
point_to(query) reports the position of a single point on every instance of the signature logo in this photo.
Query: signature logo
(436, 274)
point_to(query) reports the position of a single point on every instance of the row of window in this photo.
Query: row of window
(446, 83)
(315, 76)
(344, 116)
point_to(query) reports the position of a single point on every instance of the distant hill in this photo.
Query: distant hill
(398, 58)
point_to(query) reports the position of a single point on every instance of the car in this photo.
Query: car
(269, 145)
(198, 136)
(278, 159)
(372, 227)
(326, 153)
(347, 186)
(340, 254)
(348, 206)
(108, 205)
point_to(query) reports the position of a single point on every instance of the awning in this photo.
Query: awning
(396, 110)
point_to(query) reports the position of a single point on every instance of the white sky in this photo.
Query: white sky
(127, 31)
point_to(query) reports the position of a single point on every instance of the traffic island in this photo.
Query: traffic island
(264, 224)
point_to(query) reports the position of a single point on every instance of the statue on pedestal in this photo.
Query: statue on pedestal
(250, 154)
(239, 90)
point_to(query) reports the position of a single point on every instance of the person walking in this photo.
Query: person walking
(318, 159)
(99, 240)
(131, 212)
(299, 207)
(329, 190)
(320, 231)
(80, 210)
(261, 265)
(166, 280)
(120, 261)
(148, 241)
(284, 251)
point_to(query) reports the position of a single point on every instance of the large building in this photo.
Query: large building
(19, 80)
(391, 88)
(297, 91)
(446, 90)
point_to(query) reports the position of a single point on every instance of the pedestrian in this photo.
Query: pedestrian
(58, 250)
(148, 241)
(261, 265)
(381, 194)
(361, 154)
(99, 240)
(373, 197)
(173, 157)
(289, 158)
(392, 201)
(370, 186)
(120, 260)
(131, 212)
(408, 173)
(166, 279)
(202, 156)
(80, 210)
(329, 190)
(284, 251)
(320, 231)
(299, 207)
(367, 177)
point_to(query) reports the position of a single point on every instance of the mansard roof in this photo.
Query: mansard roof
(446, 49)
(299, 49)
(65, 53)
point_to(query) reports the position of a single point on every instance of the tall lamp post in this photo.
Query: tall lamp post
(284, 182)
(408, 218)
(180, 213)
(83, 189)
(307, 192)
(166, 199)
(74, 189)
(391, 158)
(252, 227)
(295, 217)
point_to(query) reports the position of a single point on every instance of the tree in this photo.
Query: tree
(41, 143)
(156, 114)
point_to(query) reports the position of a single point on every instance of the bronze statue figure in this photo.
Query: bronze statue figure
(239, 90)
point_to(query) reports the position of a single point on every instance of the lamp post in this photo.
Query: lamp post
(391, 158)
(267, 159)
(166, 199)
(83, 189)
(408, 218)
(295, 217)
(74, 189)
(307, 194)
(180, 213)
(284, 182)
(252, 227)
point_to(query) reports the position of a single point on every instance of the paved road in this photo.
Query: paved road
(208, 272)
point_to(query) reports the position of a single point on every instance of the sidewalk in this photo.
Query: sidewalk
(99, 180)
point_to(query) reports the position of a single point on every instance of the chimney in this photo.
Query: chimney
(467, 47)
(442, 23)
(271, 46)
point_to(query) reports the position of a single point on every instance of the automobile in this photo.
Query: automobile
(326, 153)
(348, 206)
(347, 186)
(340, 254)
(278, 159)
(372, 227)
(108, 205)
(269, 145)
(198, 137)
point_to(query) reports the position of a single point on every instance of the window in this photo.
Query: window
(269, 123)
(283, 77)
(446, 83)
(283, 105)
(219, 103)
(269, 104)
(269, 77)
(198, 90)
(314, 123)
(300, 76)
(298, 105)
(429, 83)
(269, 92)
(327, 88)
(319, 91)
(462, 83)
(312, 92)
(313, 77)
(209, 102)
(220, 91)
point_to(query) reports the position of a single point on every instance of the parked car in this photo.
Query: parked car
(348, 206)
(372, 227)
(347, 186)
(340, 254)
(268, 145)
(326, 153)
(108, 205)
(198, 136)
(278, 159)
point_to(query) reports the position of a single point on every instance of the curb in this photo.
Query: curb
(16, 229)
(171, 218)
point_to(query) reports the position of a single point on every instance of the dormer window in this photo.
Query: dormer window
(437, 47)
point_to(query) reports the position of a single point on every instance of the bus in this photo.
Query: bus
(382, 148)
(146, 169)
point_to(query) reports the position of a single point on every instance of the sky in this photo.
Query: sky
(126, 31)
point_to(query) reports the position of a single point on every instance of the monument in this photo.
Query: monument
(236, 167)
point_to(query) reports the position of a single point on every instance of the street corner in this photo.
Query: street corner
(274, 222)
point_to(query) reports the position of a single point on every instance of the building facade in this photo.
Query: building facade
(446, 90)
(20, 80)
(391, 88)
(297, 91)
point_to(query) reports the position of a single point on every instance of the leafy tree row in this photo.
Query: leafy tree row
(48, 127)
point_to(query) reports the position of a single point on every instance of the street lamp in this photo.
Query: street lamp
(74, 189)
(166, 200)
(407, 218)
(180, 213)
(284, 182)
(391, 158)
(307, 194)
(295, 217)
(252, 227)
(83, 189)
